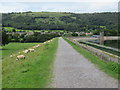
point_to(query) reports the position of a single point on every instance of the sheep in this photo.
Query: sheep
(36, 46)
(26, 51)
(45, 42)
(20, 57)
(31, 50)
(11, 56)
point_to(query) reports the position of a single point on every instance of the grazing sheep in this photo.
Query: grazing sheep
(20, 57)
(11, 56)
(26, 51)
(48, 41)
(31, 50)
(36, 46)
(45, 42)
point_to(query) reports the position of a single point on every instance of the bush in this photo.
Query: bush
(37, 37)
(5, 39)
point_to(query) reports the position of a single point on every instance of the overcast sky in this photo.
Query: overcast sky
(77, 6)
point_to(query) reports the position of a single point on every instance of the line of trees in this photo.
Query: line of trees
(89, 22)
(24, 38)
(36, 37)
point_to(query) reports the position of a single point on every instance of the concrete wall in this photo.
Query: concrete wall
(93, 38)
(101, 54)
(111, 37)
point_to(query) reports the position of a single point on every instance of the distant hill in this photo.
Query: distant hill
(63, 21)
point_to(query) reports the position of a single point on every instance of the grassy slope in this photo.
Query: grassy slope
(33, 72)
(14, 47)
(110, 68)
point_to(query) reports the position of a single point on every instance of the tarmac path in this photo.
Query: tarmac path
(72, 70)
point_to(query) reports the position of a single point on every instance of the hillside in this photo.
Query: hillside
(87, 22)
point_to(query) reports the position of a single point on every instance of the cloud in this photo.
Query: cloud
(103, 7)
(78, 7)
(12, 7)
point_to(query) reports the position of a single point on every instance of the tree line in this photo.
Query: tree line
(88, 22)
(24, 38)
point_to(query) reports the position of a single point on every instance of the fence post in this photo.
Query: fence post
(102, 38)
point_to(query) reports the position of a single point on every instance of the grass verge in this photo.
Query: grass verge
(110, 68)
(33, 72)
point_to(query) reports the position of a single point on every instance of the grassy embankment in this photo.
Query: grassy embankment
(14, 48)
(33, 72)
(111, 68)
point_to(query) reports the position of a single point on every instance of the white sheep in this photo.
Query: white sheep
(36, 46)
(26, 51)
(20, 57)
(11, 56)
(31, 50)
(45, 42)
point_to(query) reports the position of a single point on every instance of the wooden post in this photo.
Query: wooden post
(102, 38)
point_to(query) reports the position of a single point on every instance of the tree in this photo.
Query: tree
(5, 39)
(16, 37)
(74, 34)
(13, 30)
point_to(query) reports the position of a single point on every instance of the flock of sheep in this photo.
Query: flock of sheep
(28, 50)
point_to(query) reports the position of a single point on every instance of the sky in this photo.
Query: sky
(75, 6)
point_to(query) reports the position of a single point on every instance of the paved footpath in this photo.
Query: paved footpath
(72, 70)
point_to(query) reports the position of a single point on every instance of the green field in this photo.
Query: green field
(33, 72)
(14, 48)
(111, 68)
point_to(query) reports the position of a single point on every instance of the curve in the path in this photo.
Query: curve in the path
(72, 70)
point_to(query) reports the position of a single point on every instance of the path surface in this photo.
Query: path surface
(72, 70)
